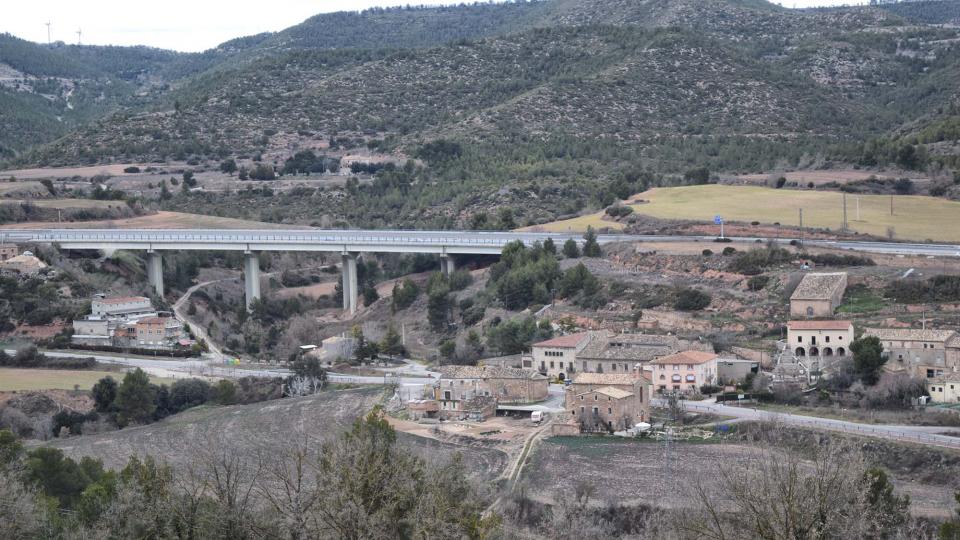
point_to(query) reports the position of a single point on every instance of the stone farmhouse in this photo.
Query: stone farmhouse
(818, 295)
(601, 352)
(918, 352)
(944, 389)
(459, 386)
(609, 401)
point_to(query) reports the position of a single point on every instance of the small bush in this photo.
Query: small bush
(757, 283)
(729, 250)
(131, 170)
(691, 300)
(707, 252)
(708, 389)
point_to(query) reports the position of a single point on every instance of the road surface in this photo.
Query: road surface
(198, 331)
(443, 242)
(914, 434)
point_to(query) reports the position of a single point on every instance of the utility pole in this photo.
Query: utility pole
(48, 32)
(801, 227)
(858, 208)
(891, 205)
(844, 211)
(79, 33)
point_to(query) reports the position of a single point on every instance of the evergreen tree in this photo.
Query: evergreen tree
(590, 246)
(570, 249)
(136, 399)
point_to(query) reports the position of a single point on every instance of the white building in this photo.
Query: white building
(122, 306)
(819, 338)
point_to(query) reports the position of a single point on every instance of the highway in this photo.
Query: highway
(914, 434)
(358, 241)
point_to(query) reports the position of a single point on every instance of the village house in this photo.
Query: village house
(919, 352)
(459, 385)
(556, 357)
(8, 251)
(26, 264)
(600, 352)
(684, 372)
(619, 353)
(818, 295)
(944, 389)
(819, 339)
(609, 401)
(158, 332)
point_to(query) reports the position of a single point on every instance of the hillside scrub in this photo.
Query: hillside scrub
(755, 261)
(524, 276)
(934, 290)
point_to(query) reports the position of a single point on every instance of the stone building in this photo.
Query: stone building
(8, 251)
(918, 352)
(556, 357)
(619, 353)
(818, 295)
(819, 338)
(609, 401)
(461, 384)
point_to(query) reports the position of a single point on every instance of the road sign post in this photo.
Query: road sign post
(718, 220)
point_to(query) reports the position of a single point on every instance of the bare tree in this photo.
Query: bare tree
(304, 386)
(772, 495)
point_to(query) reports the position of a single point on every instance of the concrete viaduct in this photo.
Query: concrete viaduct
(350, 243)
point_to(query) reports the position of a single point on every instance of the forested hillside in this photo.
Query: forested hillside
(556, 92)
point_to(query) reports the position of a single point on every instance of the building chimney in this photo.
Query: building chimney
(637, 371)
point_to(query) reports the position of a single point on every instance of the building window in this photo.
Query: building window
(799, 339)
(581, 399)
(689, 366)
(596, 398)
(609, 410)
(551, 364)
(827, 339)
(613, 367)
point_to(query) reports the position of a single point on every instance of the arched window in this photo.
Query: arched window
(809, 311)
(800, 352)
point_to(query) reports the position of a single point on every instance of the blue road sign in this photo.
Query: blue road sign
(717, 220)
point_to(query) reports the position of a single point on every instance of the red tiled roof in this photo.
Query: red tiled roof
(569, 341)
(819, 325)
(686, 357)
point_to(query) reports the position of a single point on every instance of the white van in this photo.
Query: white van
(537, 417)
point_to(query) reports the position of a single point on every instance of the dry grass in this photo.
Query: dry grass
(19, 187)
(57, 379)
(915, 217)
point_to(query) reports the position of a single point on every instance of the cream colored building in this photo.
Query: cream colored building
(928, 353)
(818, 295)
(944, 389)
(608, 401)
(819, 339)
(684, 372)
(122, 307)
(556, 358)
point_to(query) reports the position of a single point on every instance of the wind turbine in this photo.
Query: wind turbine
(48, 32)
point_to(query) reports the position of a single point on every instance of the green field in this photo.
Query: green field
(915, 217)
(57, 379)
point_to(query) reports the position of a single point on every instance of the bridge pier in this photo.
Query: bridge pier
(251, 278)
(447, 266)
(155, 272)
(350, 286)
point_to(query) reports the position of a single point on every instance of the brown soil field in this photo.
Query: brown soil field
(160, 220)
(267, 427)
(638, 472)
(310, 291)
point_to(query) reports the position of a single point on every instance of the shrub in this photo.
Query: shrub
(707, 252)
(691, 300)
(729, 250)
(131, 169)
(708, 389)
(757, 283)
